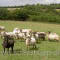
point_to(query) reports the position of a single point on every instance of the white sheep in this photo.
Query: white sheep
(11, 34)
(8, 33)
(30, 41)
(16, 30)
(21, 35)
(53, 36)
(26, 30)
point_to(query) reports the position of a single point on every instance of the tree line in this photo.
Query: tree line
(44, 13)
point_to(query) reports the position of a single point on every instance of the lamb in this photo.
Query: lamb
(53, 36)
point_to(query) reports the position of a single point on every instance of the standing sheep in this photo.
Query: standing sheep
(40, 35)
(30, 41)
(8, 42)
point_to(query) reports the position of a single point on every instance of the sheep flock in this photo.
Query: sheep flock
(30, 37)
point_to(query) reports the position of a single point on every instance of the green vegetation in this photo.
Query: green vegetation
(48, 50)
(44, 13)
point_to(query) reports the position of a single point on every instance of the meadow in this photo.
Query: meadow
(45, 50)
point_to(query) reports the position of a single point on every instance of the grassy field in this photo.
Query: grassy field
(45, 50)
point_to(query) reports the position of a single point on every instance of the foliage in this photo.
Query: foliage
(45, 13)
(3, 13)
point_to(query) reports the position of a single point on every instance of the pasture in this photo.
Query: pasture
(45, 50)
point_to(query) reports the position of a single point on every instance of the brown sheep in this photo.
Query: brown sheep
(8, 42)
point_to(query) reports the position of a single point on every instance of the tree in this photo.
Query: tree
(3, 13)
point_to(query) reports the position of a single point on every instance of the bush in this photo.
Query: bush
(3, 13)
(44, 13)
(19, 14)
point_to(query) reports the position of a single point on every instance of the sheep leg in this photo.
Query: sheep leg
(37, 40)
(43, 38)
(27, 47)
(8, 50)
(35, 46)
(11, 49)
(4, 51)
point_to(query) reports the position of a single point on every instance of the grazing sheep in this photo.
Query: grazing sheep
(11, 34)
(16, 31)
(21, 35)
(27, 30)
(30, 41)
(8, 42)
(53, 36)
(40, 35)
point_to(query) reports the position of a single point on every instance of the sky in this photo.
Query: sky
(24, 2)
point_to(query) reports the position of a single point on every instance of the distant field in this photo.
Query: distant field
(46, 50)
(58, 10)
(12, 8)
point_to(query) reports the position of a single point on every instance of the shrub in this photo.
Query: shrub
(3, 13)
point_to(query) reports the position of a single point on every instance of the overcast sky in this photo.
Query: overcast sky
(23, 2)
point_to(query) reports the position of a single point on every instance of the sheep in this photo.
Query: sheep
(8, 42)
(21, 35)
(30, 41)
(33, 41)
(11, 34)
(53, 36)
(16, 31)
(39, 35)
(22, 32)
(27, 30)
(2, 28)
(3, 34)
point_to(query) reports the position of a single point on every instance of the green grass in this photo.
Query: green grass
(46, 50)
